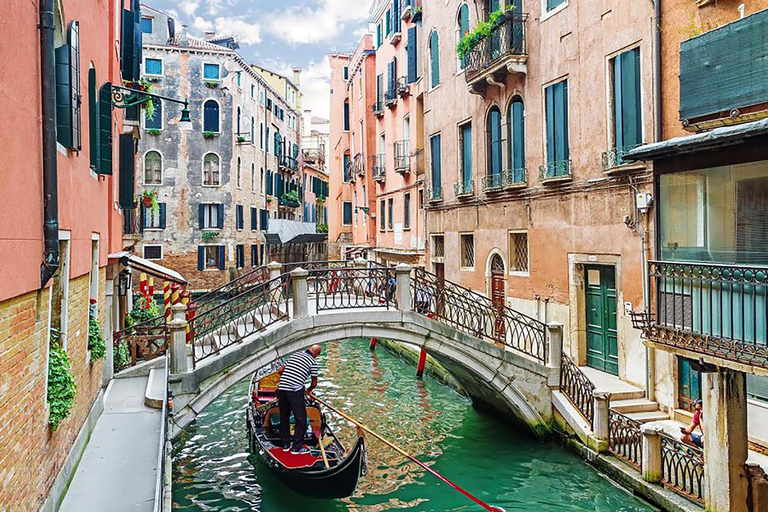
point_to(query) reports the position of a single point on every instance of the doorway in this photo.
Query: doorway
(602, 339)
(497, 294)
(688, 384)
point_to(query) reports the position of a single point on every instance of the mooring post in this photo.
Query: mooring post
(554, 353)
(373, 344)
(299, 285)
(178, 338)
(403, 288)
(650, 463)
(422, 363)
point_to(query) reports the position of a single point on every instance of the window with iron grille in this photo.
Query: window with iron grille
(153, 252)
(518, 252)
(438, 246)
(468, 250)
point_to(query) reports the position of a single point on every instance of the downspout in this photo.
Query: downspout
(50, 176)
(657, 68)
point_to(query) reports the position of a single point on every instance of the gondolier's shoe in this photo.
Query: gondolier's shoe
(296, 450)
(286, 447)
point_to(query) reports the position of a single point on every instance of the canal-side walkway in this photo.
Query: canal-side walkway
(119, 467)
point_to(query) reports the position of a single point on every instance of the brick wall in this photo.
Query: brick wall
(31, 454)
(186, 265)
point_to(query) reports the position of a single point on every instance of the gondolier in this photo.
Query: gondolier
(290, 396)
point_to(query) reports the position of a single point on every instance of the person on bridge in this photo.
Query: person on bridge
(689, 437)
(290, 396)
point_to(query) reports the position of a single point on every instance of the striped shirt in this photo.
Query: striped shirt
(299, 367)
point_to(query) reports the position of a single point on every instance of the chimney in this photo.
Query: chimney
(183, 32)
(296, 77)
(209, 35)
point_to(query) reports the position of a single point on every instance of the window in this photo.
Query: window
(253, 131)
(254, 255)
(264, 219)
(516, 137)
(211, 170)
(146, 25)
(153, 67)
(261, 136)
(238, 77)
(553, 4)
(239, 174)
(239, 116)
(383, 213)
(152, 252)
(556, 97)
(411, 48)
(346, 216)
(378, 35)
(156, 121)
(211, 216)
(346, 115)
(211, 116)
(518, 252)
(388, 22)
(153, 219)
(467, 250)
(354, 206)
(347, 168)
(465, 159)
(239, 256)
(434, 59)
(153, 168)
(253, 178)
(627, 117)
(493, 146)
(211, 72)
(67, 76)
(390, 212)
(434, 147)
(253, 92)
(438, 246)
(211, 257)
(261, 180)
(462, 30)
(346, 73)
(407, 211)
(239, 217)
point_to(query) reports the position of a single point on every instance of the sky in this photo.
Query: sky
(281, 34)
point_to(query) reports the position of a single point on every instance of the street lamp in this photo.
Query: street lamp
(126, 97)
(185, 123)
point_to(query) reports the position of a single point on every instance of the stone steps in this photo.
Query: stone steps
(633, 405)
(153, 393)
(648, 416)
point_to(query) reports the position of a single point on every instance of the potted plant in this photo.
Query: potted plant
(290, 198)
(211, 84)
(482, 31)
(269, 199)
(149, 200)
(210, 236)
(416, 14)
(154, 131)
(209, 134)
(240, 139)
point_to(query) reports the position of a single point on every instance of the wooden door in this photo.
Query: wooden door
(688, 384)
(602, 344)
(497, 295)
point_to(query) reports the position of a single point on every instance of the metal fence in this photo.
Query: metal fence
(506, 39)
(140, 342)
(578, 388)
(682, 468)
(624, 438)
(352, 287)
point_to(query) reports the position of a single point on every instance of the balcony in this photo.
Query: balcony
(493, 183)
(515, 178)
(708, 309)
(720, 74)
(390, 97)
(556, 171)
(435, 194)
(402, 157)
(464, 189)
(358, 166)
(614, 162)
(403, 87)
(131, 225)
(378, 108)
(243, 138)
(287, 163)
(502, 53)
(379, 167)
(314, 156)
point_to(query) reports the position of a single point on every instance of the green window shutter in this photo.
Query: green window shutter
(128, 46)
(63, 97)
(493, 134)
(561, 94)
(436, 169)
(378, 35)
(93, 101)
(104, 128)
(627, 99)
(127, 170)
(517, 137)
(411, 49)
(466, 153)
(434, 52)
(388, 22)
(550, 114)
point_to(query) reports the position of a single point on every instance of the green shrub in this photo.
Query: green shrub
(96, 342)
(61, 383)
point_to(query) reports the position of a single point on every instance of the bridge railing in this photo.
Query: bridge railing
(352, 287)
(577, 388)
(477, 315)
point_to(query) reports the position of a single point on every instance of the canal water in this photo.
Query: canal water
(214, 471)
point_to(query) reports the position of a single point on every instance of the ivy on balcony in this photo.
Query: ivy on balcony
(482, 31)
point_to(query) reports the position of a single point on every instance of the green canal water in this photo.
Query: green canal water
(499, 463)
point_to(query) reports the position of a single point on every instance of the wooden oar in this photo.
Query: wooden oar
(319, 434)
(409, 456)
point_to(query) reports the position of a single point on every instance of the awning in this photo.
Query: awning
(132, 261)
(713, 139)
(308, 238)
(272, 239)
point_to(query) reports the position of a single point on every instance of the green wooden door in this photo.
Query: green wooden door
(602, 347)
(688, 384)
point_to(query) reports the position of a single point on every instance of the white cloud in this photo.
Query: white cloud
(323, 21)
(316, 87)
(201, 24)
(190, 7)
(247, 33)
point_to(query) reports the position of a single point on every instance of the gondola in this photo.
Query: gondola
(305, 473)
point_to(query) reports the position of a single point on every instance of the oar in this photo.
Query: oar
(319, 434)
(409, 456)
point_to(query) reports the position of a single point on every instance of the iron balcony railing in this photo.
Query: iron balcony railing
(379, 167)
(555, 170)
(131, 221)
(314, 155)
(464, 188)
(615, 157)
(390, 97)
(288, 162)
(402, 86)
(402, 156)
(624, 438)
(515, 177)
(506, 39)
(493, 182)
(435, 194)
(378, 108)
(715, 309)
(358, 166)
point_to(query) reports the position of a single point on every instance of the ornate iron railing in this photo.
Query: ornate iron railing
(719, 310)
(558, 169)
(477, 315)
(507, 39)
(578, 388)
(493, 182)
(377, 108)
(143, 342)
(232, 321)
(682, 468)
(390, 97)
(515, 177)
(402, 86)
(379, 167)
(358, 166)
(615, 157)
(464, 188)
(435, 194)
(624, 438)
(402, 156)
(352, 287)
(131, 221)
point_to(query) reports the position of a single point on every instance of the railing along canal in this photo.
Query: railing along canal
(477, 315)
(578, 388)
(624, 438)
(352, 287)
(682, 468)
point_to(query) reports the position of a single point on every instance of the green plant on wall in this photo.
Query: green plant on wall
(209, 135)
(211, 85)
(210, 236)
(120, 360)
(154, 131)
(481, 32)
(322, 228)
(96, 342)
(144, 308)
(61, 382)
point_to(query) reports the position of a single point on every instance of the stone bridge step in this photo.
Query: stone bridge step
(633, 405)
(648, 416)
(153, 393)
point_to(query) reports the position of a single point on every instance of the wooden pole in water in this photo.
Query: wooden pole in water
(422, 362)
(373, 344)
(409, 457)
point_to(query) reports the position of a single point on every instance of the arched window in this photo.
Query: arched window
(434, 59)
(516, 138)
(153, 168)
(253, 178)
(238, 121)
(156, 121)
(493, 146)
(239, 174)
(462, 29)
(497, 265)
(210, 116)
(211, 170)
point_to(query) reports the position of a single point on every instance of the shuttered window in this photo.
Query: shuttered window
(627, 118)
(411, 48)
(396, 16)
(407, 211)
(378, 35)
(383, 213)
(465, 147)
(388, 22)
(239, 217)
(434, 59)
(557, 127)
(104, 129)
(463, 28)
(127, 170)
(130, 43)
(211, 72)
(434, 146)
(211, 257)
(211, 116)
(346, 115)
(153, 219)
(93, 102)
(346, 215)
(211, 216)
(493, 141)
(516, 137)
(153, 67)
(239, 256)
(68, 96)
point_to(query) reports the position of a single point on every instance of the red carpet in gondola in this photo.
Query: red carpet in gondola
(294, 460)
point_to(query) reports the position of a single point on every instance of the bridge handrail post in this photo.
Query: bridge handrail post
(178, 339)
(403, 286)
(360, 279)
(651, 460)
(274, 268)
(602, 418)
(554, 352)
(300, 292)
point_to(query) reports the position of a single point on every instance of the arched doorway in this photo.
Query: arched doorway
(497, 292)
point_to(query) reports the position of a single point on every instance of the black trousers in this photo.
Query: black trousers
(289, 401)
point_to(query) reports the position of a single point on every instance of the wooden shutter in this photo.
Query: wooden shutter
(626, 88)
(104, 129)
(550, 113)
(517, 137)
(390, 79)
(436, 171)
(561, 104)
(93, 101)
(74, 82)
(434, 52)
(200, 258)
(127, 170)
(411, 49)
(378, 35)
(222, 257)
(220, 215)
(201, 215)
(130, 44)
(162, 215)
(466, 153)
(493, 135)
(62, 55)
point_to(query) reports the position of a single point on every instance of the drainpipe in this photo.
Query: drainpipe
(657, 68)
(50, 180)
